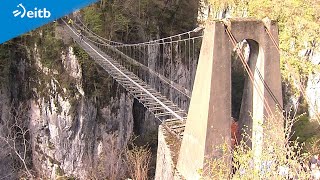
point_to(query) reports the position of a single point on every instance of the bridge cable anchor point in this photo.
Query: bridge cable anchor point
(227, 23)
(267, 22)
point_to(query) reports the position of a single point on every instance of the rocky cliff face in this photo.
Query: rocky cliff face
(313, 89)
(13, 83)
(70, 130)
(79, 122)
(6, 163)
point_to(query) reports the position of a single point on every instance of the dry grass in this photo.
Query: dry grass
(138, 161)
(279, 157)
(116, 162)
(15, 134)
(110, 164)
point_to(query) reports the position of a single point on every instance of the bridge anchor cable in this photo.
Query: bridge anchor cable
(131, 80)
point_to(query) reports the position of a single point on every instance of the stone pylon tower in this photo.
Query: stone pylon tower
(208, 124)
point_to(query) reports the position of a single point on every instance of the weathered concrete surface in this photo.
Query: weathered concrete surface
(209, 117)
(208, 124)
(167, 154)
(258, 107)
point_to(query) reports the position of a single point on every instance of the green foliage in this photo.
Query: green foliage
(133, 21)
(50, 51)
(305, 131)
(81, 55)
(4, 64)
(50, 48)
(93, 19)
(59, 171)
(278, 158)
(96, 82)
(11, 53)
(299, 29)
(314, 145)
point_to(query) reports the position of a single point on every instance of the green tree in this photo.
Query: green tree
(93, 19)
(141, 20)
(299, 28)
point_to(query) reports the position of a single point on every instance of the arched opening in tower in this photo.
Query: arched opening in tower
(247, 93)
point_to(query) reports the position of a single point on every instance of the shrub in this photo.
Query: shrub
(138, 160)
(279, 158)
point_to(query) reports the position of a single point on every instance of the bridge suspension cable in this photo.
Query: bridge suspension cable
(127, 77)
(169, 61)
(291, 69)
(107, 41)
(159, 75)
(181, 43)
(249, 71)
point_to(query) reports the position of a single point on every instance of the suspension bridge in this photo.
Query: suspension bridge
(162, 73)
(145, 71)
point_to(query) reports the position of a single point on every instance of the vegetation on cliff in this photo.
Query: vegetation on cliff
(299, 41)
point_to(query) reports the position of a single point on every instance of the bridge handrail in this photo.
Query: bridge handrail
(95, 34)
(162, 40)
(146, 44)
(171, 83)
(157, 41)
(135, 83)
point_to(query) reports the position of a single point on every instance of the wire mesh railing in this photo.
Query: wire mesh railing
(167, 64)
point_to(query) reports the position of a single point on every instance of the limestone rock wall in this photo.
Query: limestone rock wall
(6, 163)
(70, 134)
(313, 89)
(13, 83)
(73, 131)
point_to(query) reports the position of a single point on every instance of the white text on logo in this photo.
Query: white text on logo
(36, 13)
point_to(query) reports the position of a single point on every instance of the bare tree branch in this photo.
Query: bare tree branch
(16, 134)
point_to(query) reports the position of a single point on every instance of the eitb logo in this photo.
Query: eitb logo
(35, 13)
